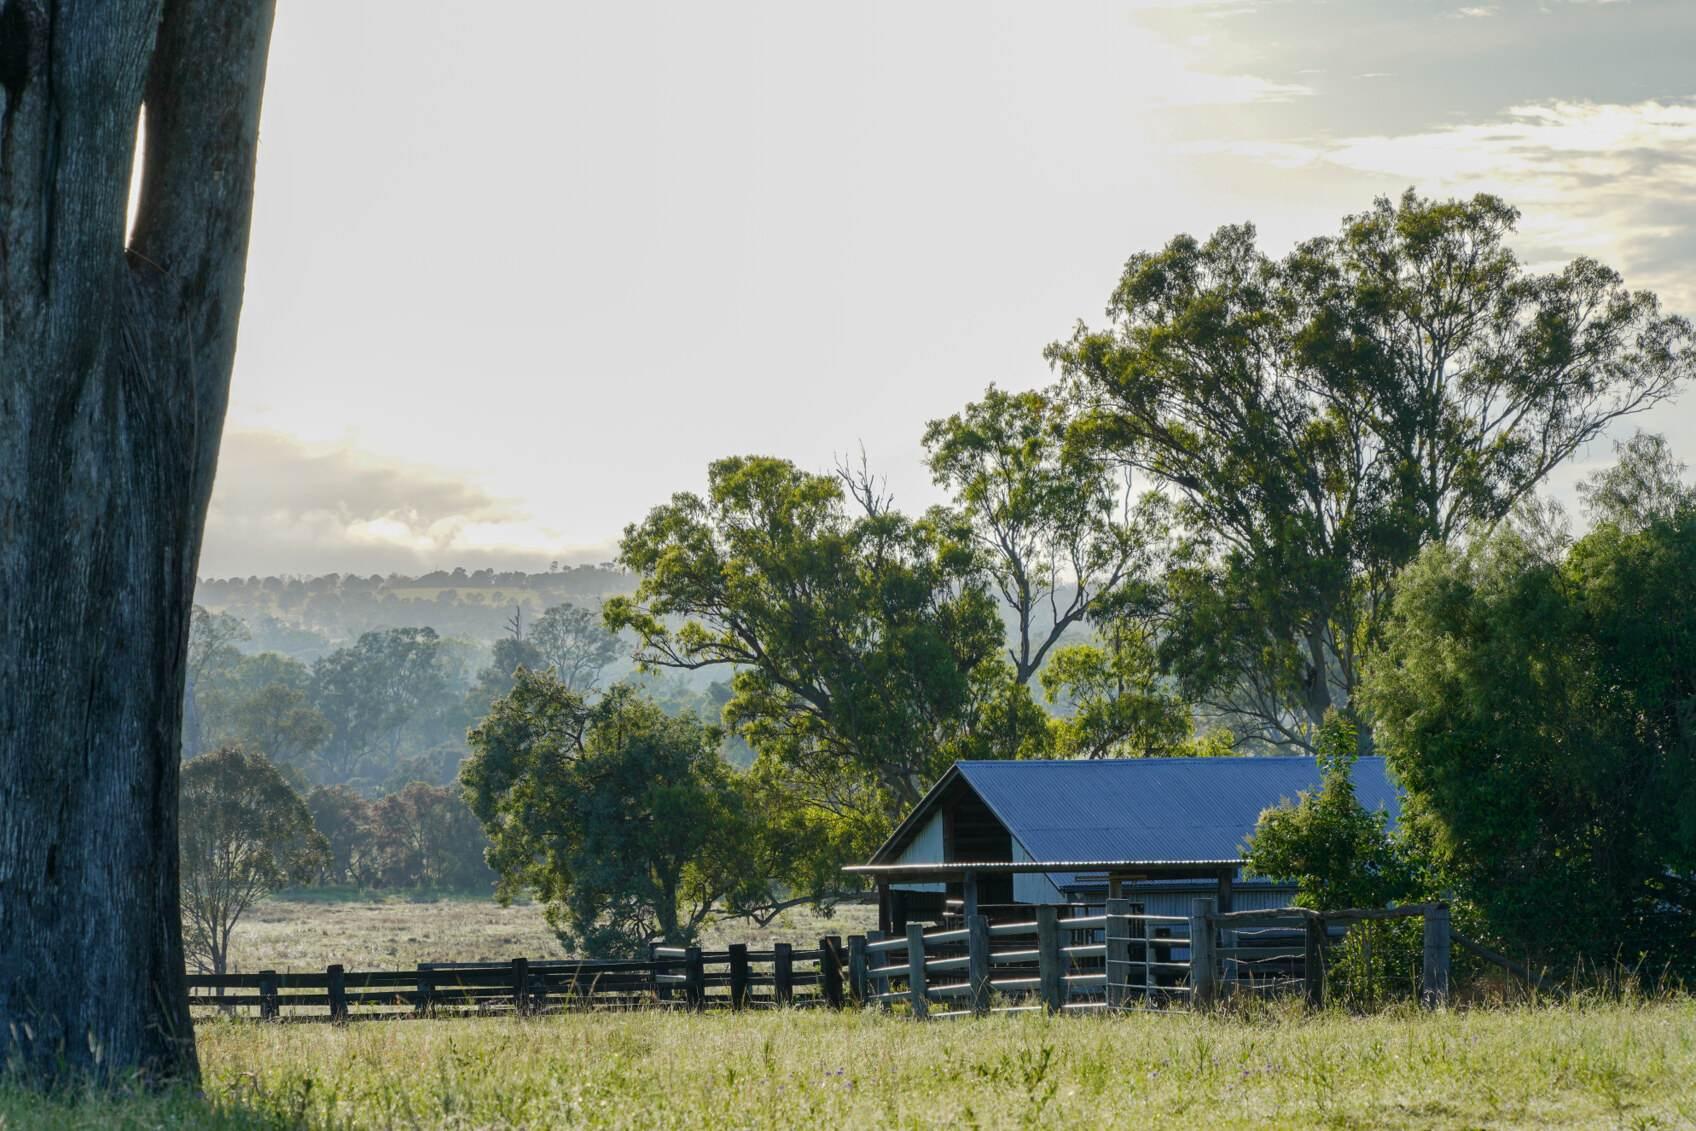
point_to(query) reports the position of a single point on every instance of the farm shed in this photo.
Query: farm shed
(990, 835)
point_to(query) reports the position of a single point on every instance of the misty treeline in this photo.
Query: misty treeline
(305, 617)
(1264, 507)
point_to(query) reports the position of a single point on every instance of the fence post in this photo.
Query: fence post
(1051, 973)
(662, 990)
(739, 975)
(695, 975)
(783, 972)
(1118, 964)
(977, 962)
(874, 959)
(268, 1008)
(1313, 959)
(1203, 959)
(857, 969)
(1434, 986)
(830, 970)
(337, 978)
(916, 970)
(421, 1004)
(521, 986)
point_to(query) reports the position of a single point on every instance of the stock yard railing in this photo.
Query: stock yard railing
(1081, 962)
(1113, 959)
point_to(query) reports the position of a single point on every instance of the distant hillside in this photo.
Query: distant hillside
(303, 616)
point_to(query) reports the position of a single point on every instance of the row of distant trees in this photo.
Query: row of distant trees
(306, 617)
(386, 709)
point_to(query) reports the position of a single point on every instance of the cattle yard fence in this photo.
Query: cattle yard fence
(1097, 958)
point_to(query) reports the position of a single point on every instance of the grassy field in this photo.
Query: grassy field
(308, 930)
(1571, 1066)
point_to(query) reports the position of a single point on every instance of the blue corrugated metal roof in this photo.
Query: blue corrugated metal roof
(1148, 809)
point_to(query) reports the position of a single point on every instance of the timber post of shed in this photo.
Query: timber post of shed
(1051, 971)
(1434, 983)
(739, 975)
(1117, 962)
(1203, 957)
(977, 962)
(830, 970)
(335, 979)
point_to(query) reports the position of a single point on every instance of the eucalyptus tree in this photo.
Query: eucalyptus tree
(245, 832)
(572, 640)
(622, 820)
(1317, 419)
(861, 641)
(1058, 529)
(117, 334)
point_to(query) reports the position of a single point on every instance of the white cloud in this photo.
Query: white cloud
(281, 506)
(1474, 13)
(1617, 181)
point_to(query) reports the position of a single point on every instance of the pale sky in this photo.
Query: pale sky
(520, 269)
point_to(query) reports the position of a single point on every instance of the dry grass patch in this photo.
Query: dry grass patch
(311, 930)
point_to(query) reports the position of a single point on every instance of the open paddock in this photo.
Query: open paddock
(1579, 1064)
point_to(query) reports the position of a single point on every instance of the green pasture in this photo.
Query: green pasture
(1574, 1065)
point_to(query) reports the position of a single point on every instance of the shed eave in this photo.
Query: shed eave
(954, 868)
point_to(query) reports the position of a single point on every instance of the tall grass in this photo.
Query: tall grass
(1585, 1063)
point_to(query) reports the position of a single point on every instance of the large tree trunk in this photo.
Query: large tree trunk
(114, 374)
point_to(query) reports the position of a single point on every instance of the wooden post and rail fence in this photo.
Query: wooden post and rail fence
(1117, 958)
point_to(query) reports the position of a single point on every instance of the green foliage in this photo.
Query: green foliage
(425, 836)
(212, 649)
(1339, 854)
(571, 640)
(621, 819)
(1539, 714)
(1645, 485)
(856, 639)
(1120, 705)
(371, 693)
(509, 654)
(343, 818)
(1320, 418)
(1055, 531)
(244, 832)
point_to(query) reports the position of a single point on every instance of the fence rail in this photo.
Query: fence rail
(1113, 958)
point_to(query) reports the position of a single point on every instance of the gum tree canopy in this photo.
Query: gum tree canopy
(1320, 418)
(115, 357)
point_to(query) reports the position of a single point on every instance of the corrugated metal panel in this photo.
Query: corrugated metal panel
(924, 848)
(1151, 809)
(1033, 887)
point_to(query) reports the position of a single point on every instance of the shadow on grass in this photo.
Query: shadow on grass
(89, 1110)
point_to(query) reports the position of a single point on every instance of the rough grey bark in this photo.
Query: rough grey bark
(114, 373)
